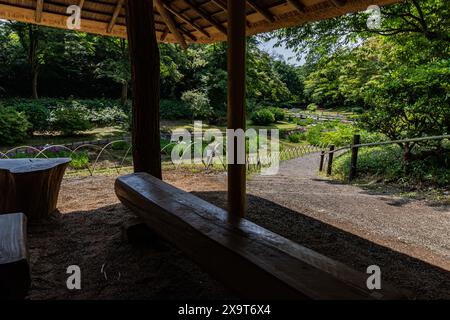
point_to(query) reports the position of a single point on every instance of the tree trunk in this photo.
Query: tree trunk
(407, 155)
(34, 82)
(33, 60)
(145, 66)
(124, 95)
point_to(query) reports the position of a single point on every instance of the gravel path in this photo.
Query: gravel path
(412, 227)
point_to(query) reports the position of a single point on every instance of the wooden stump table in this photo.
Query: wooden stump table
(31, 186)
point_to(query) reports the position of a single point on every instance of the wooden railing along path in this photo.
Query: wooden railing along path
(356, 145)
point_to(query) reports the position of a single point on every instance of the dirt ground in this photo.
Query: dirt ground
(87, 233)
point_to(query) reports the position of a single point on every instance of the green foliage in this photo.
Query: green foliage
(278, 113)
(312, 107)
(174, 110)
(339, 134)
(120, 146)
(297, 137)
(14, 126)
(199, 104)
(263, 117)
(70, 120)
(110, 116)
(386, 162)
(36, 113)
(357, 110)
(305, 122)
(411, 102)
(314, 135)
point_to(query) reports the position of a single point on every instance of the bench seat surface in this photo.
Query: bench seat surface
(254, 261)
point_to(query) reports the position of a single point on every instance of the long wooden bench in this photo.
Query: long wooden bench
(254, 262)
(14, 269)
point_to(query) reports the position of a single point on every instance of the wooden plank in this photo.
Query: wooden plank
(165, 14)
(285, 17)
(338, 3)
(261, 10)
(299, 6)
(185, 19)
(14, 268)
(145, 62)
(254, 262)
(115, 15)
(236, 105)
(206, 16)
(39, 8)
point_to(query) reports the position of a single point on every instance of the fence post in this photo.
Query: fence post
(354, 161)
(330, 160)
(322, 158)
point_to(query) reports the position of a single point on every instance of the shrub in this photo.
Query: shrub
(70, 120)
(372, 161)
(297, 137)
(14, 126)
(120, 146)
(262, 117)
(305, 122)
(199, 103)
(312, 107)
(314, 134)
(386, 162)
(107, 117)
(279, 114)
(357, 110)
(36, 113)
(175, 110)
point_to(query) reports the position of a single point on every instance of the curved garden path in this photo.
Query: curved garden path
(412, 227)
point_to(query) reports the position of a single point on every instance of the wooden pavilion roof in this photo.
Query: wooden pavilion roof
(195, 21)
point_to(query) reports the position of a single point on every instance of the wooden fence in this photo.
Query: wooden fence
(356, 145)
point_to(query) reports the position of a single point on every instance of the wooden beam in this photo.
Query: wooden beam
(164, 34)
(165, 14)
(145, 66)
(224, 7)
(299, 6)
(338, 3)
(236, 104)
(115, 15)
(220, 4)
(185, 19)
(39, 8)
(262, 11)
(205, 16)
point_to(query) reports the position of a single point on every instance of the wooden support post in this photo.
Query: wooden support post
(330, 160)
(39, 9)
(145, 62)
(170, 23)
(322, 159)
(354, 161)
(236, 103)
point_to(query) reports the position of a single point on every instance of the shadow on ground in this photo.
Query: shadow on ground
(93, 241)
(423, 280)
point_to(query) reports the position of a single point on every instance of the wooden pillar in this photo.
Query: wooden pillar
(354, 160)
(145, 67)
(330, 160)
(236, 103)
